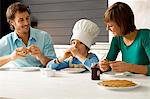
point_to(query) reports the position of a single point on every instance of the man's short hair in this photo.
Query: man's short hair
(13, 9)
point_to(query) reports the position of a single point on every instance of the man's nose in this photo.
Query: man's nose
(26, 22)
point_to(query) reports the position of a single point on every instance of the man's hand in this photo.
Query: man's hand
(19, 52)
(35, 51)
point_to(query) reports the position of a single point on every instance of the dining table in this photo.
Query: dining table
(15, 84)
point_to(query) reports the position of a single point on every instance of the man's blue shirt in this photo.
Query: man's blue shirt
(37, 37)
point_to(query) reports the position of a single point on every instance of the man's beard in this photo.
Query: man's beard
(26, 31)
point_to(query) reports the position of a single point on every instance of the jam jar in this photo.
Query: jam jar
(95, 72)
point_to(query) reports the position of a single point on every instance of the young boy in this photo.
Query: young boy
(78, 56)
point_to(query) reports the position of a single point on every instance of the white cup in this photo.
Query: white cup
(48, 72)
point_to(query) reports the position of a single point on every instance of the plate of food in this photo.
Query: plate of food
(118, 84)
(24, 69)
(3, 69)
(113, 74)
(74, 70)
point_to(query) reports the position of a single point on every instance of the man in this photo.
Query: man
(25, 46)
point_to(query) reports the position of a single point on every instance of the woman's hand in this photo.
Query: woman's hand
(119, 66)
(104, 65)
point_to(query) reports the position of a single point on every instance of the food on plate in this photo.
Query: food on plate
(74, 70)
(117, 83)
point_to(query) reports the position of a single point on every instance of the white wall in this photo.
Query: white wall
(141, 10)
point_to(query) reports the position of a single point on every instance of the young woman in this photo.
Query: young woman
(84, 34)
(133, 43)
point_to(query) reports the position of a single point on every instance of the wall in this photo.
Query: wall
(4, 26)
(58, 16)
(141, 10)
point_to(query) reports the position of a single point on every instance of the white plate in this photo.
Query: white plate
(24, 69)
(113, 74)
(73, 70)
(120, 88)
(2, 68)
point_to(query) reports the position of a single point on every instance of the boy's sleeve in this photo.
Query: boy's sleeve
(93, 59)
(62, 65)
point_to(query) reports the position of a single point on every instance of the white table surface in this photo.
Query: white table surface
(33, 85)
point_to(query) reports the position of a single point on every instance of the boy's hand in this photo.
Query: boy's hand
(74, 51)
(67, 54)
